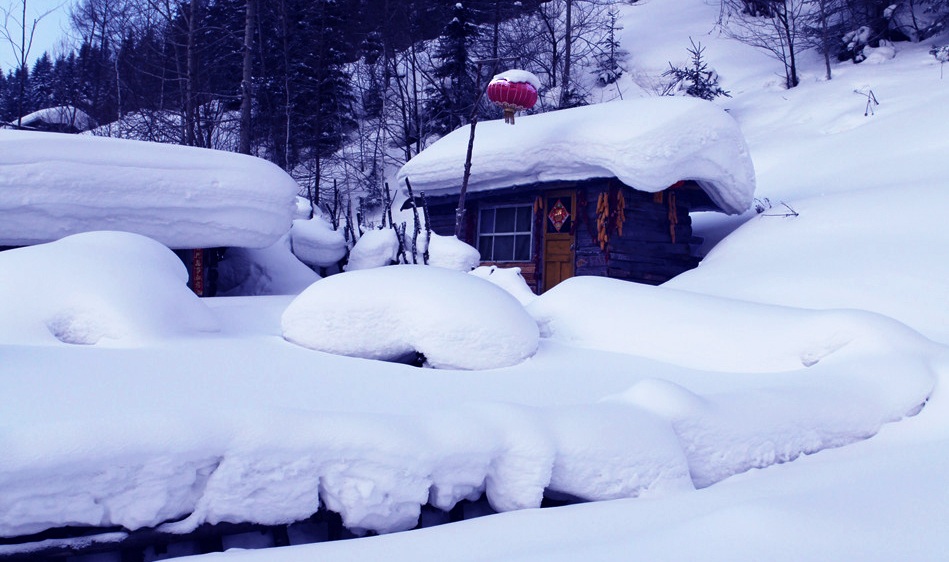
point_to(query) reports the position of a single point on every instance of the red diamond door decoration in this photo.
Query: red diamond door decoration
(558, 215)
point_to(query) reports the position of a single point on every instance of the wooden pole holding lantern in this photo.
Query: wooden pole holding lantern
(513, 90)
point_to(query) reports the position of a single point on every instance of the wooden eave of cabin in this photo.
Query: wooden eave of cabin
(656, 242)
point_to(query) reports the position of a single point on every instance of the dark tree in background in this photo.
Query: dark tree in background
(451, 94)
(338, 91)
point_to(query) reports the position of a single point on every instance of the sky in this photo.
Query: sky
(783, 401)
(50, 29)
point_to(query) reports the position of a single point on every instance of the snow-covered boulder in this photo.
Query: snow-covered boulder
(456, 320)
(97, 287)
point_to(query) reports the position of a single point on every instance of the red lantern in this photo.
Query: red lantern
(512, 93)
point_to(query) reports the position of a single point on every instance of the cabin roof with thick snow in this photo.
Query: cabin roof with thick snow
(53, 185)
(648, 144)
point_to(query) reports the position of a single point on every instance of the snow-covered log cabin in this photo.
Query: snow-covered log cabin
(195, 201)
(59, 119)
(597, 190)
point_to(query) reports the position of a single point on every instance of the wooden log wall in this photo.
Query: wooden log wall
(442, 216)
(656, 245)
(652, 249)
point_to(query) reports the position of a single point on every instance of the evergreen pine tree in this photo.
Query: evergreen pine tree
(41, 84)
(608, 67)
(698, 80)
(3, 94)
(452, 93)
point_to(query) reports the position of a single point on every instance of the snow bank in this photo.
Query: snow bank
(53, 185)
(97, 286)
(661, 141)
(376, 471)
(456, 320)
(273, 270)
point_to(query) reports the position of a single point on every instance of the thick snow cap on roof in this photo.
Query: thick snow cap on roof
(53, 185)
(648, 144)
(65, 115)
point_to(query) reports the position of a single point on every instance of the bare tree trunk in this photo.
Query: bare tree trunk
(825, 35)
(246, 90)
(567, 55)
(191, 136)
(23, 70)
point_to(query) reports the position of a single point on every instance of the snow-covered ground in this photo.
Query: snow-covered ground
(819, 338)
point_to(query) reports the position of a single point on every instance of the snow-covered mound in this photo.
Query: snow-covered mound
(648, 144)
(97, 287)
(456, 320)
(53, 185)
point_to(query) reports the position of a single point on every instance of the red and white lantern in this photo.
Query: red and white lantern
(514, 90)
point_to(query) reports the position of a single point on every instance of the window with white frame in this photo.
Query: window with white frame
(504, 233)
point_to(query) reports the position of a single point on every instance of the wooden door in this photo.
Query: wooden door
(558, 259)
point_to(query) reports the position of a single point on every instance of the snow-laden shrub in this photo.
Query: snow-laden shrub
(451, 253)
(509, 279)
(316, 244)
(696, 80)
(375, 248)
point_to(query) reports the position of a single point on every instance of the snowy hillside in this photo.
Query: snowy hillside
(814, 332)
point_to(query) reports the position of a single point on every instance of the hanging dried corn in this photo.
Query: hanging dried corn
(620, 212)
(673, 216)
(610, 215)
(602, 217)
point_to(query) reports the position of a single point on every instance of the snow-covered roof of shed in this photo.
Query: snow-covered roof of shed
(648, 144)
(60, 115)
(53, 185)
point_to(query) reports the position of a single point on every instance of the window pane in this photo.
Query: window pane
(504, 248)
(487, 221)
(522, 247)
(523, 219)
(484, 246)
(505, 219)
